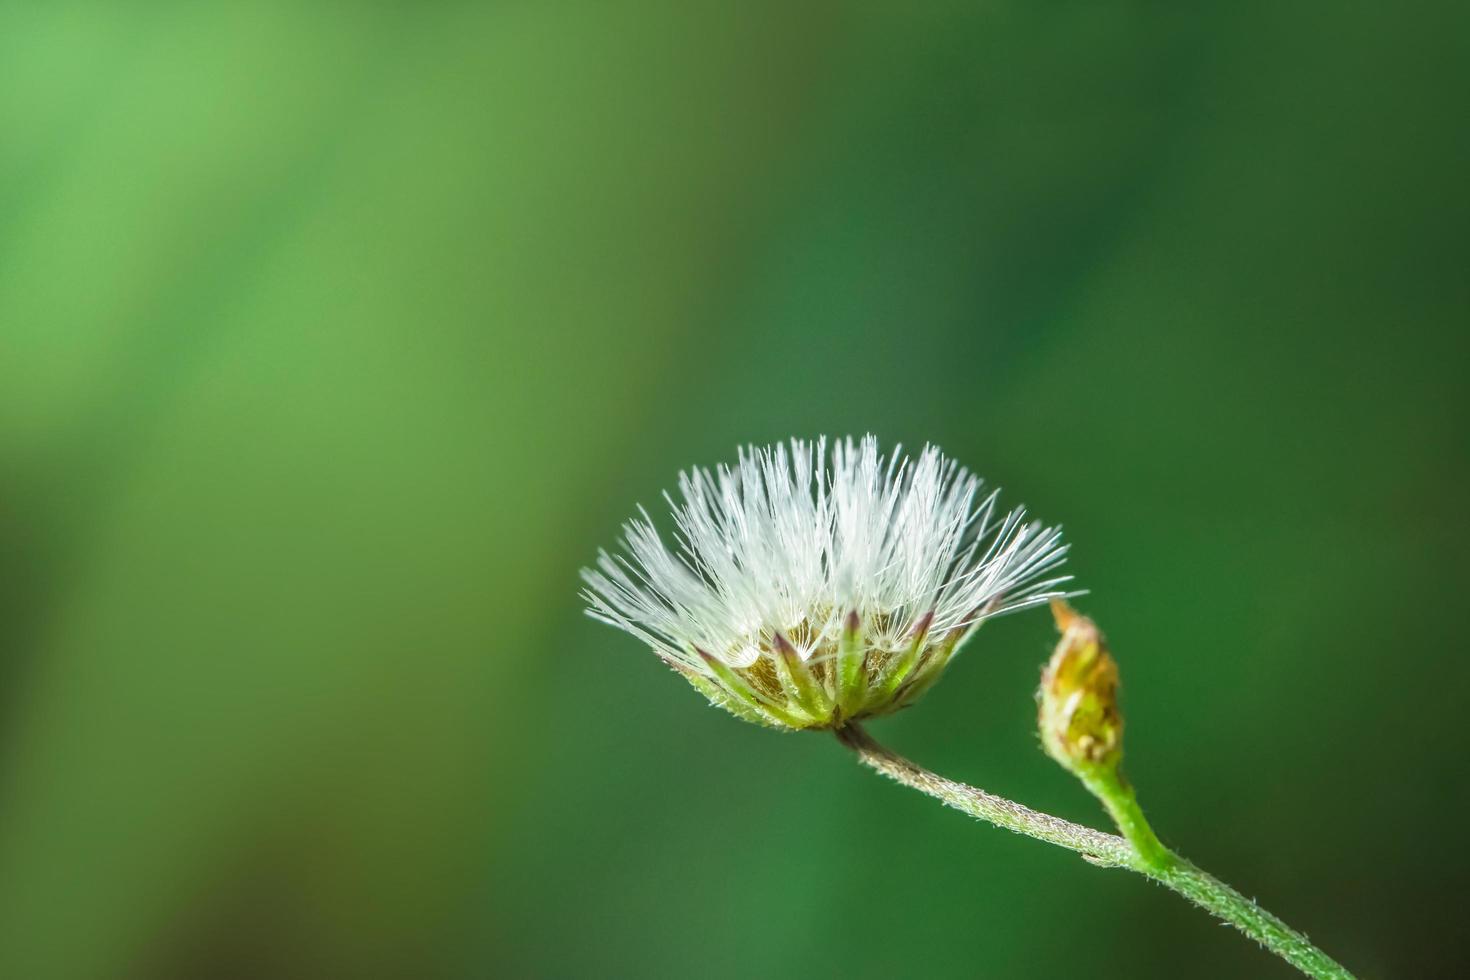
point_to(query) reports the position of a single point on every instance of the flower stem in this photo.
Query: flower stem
(1108, 850)
(1139, 850)
(1108, 785)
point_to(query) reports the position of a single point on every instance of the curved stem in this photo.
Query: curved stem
(1141, 851)
(1213, 895)
(1108, 850)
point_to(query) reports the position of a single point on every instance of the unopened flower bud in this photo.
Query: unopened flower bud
(1081, 726)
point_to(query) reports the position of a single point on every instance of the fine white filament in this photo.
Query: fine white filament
(792, 541)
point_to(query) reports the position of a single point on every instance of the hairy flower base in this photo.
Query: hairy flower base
(842, 680)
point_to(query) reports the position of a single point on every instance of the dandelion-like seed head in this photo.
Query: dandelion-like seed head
(808, 588)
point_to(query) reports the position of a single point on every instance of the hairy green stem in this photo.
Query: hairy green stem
(1108, 850)
(1122, 805)
(1140, 850)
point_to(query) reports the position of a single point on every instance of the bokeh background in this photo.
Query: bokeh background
(335, 338)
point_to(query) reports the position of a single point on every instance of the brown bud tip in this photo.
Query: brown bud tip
(1063, 613)
(854, 621)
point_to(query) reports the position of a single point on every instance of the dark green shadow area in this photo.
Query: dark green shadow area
(335, 339)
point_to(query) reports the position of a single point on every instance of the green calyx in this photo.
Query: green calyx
(847, 678)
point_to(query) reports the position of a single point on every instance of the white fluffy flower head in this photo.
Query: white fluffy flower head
(810, 588)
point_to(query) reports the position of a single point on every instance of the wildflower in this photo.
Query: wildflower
(809, 590)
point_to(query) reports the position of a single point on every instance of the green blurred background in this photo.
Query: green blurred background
(335, 337)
